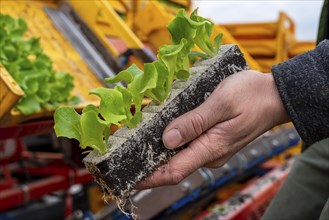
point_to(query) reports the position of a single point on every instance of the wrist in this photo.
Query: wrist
(276, 109)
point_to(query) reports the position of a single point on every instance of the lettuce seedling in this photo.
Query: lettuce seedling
(86, 128)
(154, 82)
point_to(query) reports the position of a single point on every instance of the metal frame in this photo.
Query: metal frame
(55, 175)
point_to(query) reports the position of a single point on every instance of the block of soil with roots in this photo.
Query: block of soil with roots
(135, 153)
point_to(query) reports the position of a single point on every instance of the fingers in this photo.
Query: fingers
(212, 149)
(206, 148)
(215, 164)
(192, 124)
(179, 167)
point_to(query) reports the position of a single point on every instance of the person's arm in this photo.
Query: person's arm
(241, 108)
(303, 84)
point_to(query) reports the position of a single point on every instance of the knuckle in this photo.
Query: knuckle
(218, 145)
(176, 177)
(229, 125)
(197, 123)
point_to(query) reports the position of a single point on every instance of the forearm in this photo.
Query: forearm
(303, 84)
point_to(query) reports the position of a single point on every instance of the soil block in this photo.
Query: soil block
(136, 153)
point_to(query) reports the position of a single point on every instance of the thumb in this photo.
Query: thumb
(184, 129)
(192, 124)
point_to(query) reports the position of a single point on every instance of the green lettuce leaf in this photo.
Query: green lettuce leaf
(144, 81)
(218, 42)
(183, 74)
(131, 121)
(203, 33)
(88, 128)
(168, 55)
(92, 129)
(125, 75)
(198, 54)
(111, 106)
(67, 123)
(159, 92)
(141, 83)
(182, 27)
(90, 107)
(28, 104)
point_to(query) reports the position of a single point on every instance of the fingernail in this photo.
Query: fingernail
(172, 138)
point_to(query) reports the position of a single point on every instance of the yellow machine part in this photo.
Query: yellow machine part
(64, 56)
(258, 47)
(185, 3)
(300, 47)
(143, 17)
(150, 24)
(10, 92)
(269, 43)
(120, 7)
(262, 30)
(103, 20)
(229, 39)
(172, 6)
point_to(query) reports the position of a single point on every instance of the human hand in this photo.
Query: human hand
(241, 108)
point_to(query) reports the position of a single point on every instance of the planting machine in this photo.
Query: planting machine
(92, 40)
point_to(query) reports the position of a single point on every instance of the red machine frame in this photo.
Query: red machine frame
(56, 175)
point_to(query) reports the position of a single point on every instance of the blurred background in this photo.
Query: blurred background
(77, 44)
(305, 14)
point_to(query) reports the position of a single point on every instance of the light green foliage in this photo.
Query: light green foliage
(203, 33)
(31, 68)
(125, 75)
(159, 92)
(218, 42)
(85, 128)
(154, 82)
(171, 57)
(182, 27)
(111, 107)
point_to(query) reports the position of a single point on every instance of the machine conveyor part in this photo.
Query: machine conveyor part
(72, 32)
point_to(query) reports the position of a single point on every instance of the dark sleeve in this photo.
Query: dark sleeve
(303, 84)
